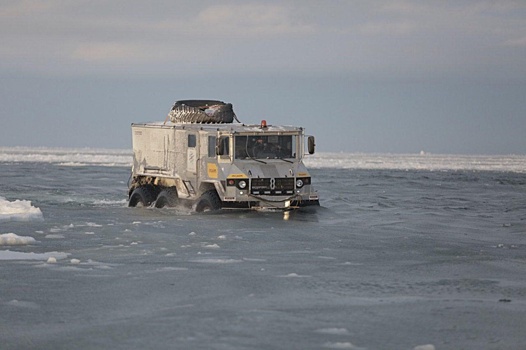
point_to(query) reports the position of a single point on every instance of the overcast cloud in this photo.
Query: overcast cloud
(370, 42)
(383, 39)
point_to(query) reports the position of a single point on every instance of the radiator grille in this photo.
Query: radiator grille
(272, 186)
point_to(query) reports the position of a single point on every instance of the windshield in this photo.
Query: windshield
(265, 147)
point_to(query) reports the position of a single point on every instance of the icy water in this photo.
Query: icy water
(405, 253)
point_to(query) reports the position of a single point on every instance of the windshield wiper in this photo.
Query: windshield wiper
(258, 160)
(285, 160)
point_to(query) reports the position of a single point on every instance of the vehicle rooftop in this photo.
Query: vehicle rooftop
(233, 127)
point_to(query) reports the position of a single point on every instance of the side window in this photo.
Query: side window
(224, 145)
(212, 146)
(192, 141)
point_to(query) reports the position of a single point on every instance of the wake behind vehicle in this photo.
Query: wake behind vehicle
(200, 158)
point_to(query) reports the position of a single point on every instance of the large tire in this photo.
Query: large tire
(202, 111)
(208, 201)
(167, 198)
(142, 196)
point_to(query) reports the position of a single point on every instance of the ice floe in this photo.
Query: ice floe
(55, 236)
(23, 304)
(72, 157)
(333, 331)
(13, 239)
(426, 161)
(341, 345)
(75, 157)
(211, 246)
(217, 261)
(18, 210)
(293, 275)
(10, 255)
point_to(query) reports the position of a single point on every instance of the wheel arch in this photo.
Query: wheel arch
(212, 185)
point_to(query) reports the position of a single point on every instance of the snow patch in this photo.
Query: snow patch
(13, 239)
(19, 210)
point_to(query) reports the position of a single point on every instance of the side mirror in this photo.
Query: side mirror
(311, 144)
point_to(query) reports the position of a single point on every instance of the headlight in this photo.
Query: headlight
(299, 183)
(242, 184)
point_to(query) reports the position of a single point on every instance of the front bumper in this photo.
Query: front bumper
(269, 193)
(274, 202)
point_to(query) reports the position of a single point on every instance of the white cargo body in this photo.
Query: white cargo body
(220, 166)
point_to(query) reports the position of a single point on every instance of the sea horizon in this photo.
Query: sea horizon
(86, 156)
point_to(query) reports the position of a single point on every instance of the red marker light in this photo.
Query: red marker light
(263, 123)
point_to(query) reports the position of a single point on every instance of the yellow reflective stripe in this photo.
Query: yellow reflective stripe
(237, 176)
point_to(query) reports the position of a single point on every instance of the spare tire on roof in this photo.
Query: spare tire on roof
(202, 111)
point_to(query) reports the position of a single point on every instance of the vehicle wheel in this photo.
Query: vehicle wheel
(167, 198)
(208, 201)
(142, 197)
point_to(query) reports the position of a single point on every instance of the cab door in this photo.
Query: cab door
(192, 157)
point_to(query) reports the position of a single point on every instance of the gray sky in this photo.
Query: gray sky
(363, 76)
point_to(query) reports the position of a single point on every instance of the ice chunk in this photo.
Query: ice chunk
(335, 331)
(54, 236)
(18, 210)
(13, 239)
(340, 345)
(211, 246)
(23, 304)
(293, 275)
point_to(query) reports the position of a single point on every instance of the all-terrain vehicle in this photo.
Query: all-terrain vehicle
(200, 158)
